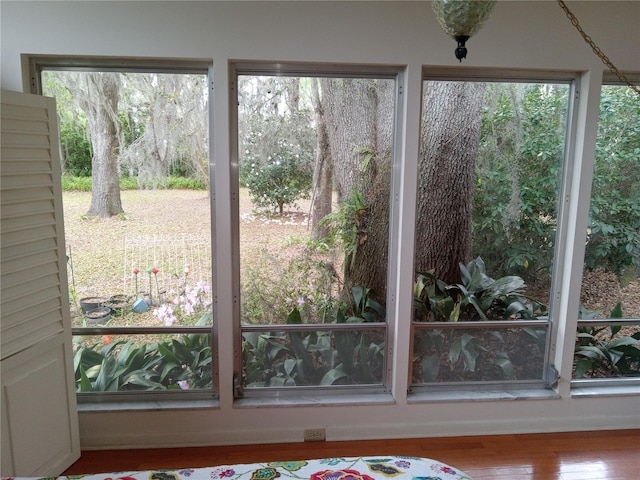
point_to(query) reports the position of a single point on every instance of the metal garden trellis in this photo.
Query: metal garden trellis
(172, 259)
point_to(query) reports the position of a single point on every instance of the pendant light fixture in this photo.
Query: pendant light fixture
(461, 19)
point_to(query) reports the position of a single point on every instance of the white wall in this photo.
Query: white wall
(523, 34)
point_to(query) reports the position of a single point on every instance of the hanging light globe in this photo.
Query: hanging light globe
(461, 19)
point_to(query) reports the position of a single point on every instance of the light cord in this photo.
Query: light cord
(600, 54)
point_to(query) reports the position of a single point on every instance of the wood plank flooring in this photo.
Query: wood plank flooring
(601, 455)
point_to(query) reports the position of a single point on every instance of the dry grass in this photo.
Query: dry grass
(97, 246)
(102, 262)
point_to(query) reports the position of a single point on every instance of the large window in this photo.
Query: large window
(315, 156)
(135, 153)
(608, 338)
(492, 156)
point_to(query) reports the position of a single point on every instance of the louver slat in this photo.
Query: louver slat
(32, 297)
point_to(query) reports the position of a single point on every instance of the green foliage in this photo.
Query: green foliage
(477, 297)
(448, 355)
(184, 362)
(365, 308)
(342, 357)
(273, 286)
(76, 184)
(84, 184)
(76, 148)
(346, 226)
(613, 240)
(518, 174)
(602, 352)
(518, 177)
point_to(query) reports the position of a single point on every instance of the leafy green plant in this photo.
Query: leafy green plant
(346, 225)
(477, 297)
(358, 357)
(601, 352)
(289, 358)
(179, 363)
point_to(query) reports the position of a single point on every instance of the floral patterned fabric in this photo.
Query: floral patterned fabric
(358, 468)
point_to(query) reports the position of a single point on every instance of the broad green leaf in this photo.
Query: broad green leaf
(333, 375)
(582, 366)
(294, 317)
(430, 368)
(506, 366)
(85, 383)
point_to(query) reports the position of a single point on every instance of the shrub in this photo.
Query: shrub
(282, 178)
(84, 184)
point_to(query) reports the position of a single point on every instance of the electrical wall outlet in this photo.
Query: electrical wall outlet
(314, 435)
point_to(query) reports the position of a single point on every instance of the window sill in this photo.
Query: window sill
(148, 405)
(310, 400)
(486, 395)
(605, 391)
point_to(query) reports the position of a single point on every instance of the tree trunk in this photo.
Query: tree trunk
(359, 115)
(104, 126)
(97, 95)
(451, 118)
(322, 172)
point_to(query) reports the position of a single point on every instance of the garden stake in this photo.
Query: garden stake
(155, 271)
(136, 271)
(73, 277)
(149, 270)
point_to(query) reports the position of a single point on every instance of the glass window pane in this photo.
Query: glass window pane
(607, 350)
(135, 160)
(315, 157)
(611, 277)
(140, 141)
(489, 177)
(125, 363)
(313, 358)
(490, 171)
(479, 354)
(612, 254)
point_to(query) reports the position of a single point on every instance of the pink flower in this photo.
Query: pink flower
(183, 384)
(154, 270)
(136, 271)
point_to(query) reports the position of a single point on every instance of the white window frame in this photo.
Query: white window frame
(245, 396)
(548, 382)
(33, 66)
(589, 386)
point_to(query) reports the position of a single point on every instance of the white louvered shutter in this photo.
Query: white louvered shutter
(39, 415)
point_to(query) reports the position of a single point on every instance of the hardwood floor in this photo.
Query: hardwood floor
(601, 455)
